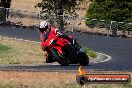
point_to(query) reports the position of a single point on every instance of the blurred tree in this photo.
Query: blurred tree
(59, 8)
(110, 10)
(114, 10)
(5, 3)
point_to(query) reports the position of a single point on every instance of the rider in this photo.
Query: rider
(45, 28)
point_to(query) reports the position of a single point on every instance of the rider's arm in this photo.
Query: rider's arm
(44, 47)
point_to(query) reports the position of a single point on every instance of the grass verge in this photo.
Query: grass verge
(4, 49)
(92, 54)
(19, 52)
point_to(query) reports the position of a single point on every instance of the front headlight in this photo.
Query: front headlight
(80, 50)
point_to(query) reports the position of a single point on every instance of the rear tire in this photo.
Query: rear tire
(59, 58)
(49, 59)
(83, 59)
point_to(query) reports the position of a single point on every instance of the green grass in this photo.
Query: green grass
(4, 49)
(7, 52)
(92, 54)
(20, 52)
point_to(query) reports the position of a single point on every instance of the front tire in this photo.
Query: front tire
(83, 59)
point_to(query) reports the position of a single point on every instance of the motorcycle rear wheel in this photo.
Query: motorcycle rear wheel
(49, 59)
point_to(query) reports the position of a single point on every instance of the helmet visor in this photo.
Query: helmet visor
(43, 29)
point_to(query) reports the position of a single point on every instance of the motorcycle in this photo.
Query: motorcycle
(64, 52)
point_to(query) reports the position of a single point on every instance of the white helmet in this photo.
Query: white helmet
(44, 25)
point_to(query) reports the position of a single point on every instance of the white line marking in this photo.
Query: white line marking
(108, 58)
(20, 39)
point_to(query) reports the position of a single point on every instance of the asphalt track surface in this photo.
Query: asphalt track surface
(120, 49)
